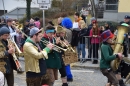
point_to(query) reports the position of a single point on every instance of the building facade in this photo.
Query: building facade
(16, 8)
(115, 10)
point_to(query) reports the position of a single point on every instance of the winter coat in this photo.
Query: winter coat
(75, 37)
(6, 60)
(32, 56)
(53, 60)
(82, 33)
(106, 56)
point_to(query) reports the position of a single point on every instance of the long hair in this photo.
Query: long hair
(95, 31)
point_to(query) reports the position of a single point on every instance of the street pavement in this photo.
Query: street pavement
(82, 76)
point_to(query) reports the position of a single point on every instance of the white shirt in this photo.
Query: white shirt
(12, 33)
(75, 25)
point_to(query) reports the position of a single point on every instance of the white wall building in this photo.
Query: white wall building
(12, 4)
(17, 8)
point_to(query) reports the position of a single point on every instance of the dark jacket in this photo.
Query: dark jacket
(75, 37)
(82, 33)
(26, 31)
(106, 56)
(53, 60)
(89, 28)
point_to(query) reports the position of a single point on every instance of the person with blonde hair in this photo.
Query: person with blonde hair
(82, 24)
(81, 44)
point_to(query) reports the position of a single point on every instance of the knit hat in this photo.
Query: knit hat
(67, 23)
(4, 30)
(1, 79)
(34, 31)
(93, 18)
(106, 35)
(60, 29)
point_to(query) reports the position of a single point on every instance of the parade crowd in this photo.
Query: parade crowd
(43, 50)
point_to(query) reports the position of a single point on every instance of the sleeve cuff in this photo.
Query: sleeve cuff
(44, 52)
(47, 49)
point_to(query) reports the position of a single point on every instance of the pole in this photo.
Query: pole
(4, 8)
(43, 21)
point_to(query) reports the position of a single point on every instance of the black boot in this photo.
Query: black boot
(121, 83)
(65, 84)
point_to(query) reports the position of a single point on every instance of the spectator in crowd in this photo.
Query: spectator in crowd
(2, 22)
(59, 21)
(81, 44)
(31, 21)
(50, 23)
(95, 40)
(25, 30)
(37, 22)
(89, 39)
(84, 14)
(108, 26)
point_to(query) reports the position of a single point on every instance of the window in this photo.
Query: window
(111, 5)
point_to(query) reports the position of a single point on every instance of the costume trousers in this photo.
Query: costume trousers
(68, 72)
(10, 78)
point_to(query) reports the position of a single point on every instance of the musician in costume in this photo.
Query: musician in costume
(7, 64)
(125, 50)
(53, 62)
(13, 30)
(35, 65)
(26, 30)
(60, 33)
(107, 56)
(67, 24)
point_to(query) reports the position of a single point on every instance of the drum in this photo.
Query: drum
(70, 57)
(125, 69)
